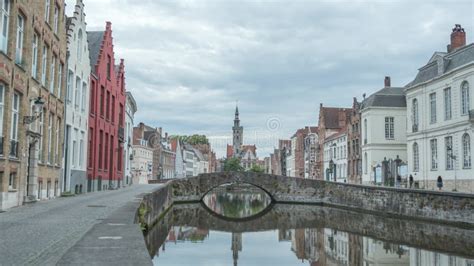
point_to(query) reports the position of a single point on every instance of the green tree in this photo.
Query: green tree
(256, 169)
(193, 139)
(233, 165)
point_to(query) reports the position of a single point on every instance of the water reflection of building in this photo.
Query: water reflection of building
(427, 258)
(304, 243)
(382, 253)
(336, 246)
(236, 246)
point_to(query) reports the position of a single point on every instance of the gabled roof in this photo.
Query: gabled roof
(386, 97)
(340, 133)
(230, 151)
(331, 116)
(95, 39)
(449, 61)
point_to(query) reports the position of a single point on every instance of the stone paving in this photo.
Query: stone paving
(41, 233)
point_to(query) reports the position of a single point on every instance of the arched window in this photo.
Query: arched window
(416, 158)
(414, 114)
(465, 98)
(79, 45)
(366, 164)
(466, 148)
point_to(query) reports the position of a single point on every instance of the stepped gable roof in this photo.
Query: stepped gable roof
(444, 62)
(331, 116)
(386, 97)
(95, 39)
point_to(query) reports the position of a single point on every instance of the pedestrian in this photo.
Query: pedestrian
(439, 183)
(399, 180)
(410, 180)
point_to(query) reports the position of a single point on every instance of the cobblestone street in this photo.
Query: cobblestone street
(40, 233)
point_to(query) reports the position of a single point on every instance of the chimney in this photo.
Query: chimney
(387, 82)
(458, 38)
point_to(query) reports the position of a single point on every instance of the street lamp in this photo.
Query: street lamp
(38, 104)
(452, 156)
(331, 168)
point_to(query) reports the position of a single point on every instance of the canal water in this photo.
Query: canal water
(238, 224)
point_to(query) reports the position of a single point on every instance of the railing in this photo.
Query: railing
(14, 148)
(471, 115)
(121, 134)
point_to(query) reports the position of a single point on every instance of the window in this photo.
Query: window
(20, 29)
(113, 109)
(389, 128)
(107, 106)
(14, 123)
(76, 93)
(57, 134)
(41, 131)
(91, 144)
(34, 56)
(448, 143)
(79, 46)
(81, 150)
(109, 66)
(44, 64)
(366, 164)
(466, 151)
(60, 79)
(365, 131)
(434, 154)
(83, 101)
(101, 146)
(12, 181)
(416, 158)
(51, 74)
(2, 105)
(56, 19)
(47, 8)
(414, 113)
(121, 115)
(106, 151)
(433, 108)
(5, 15)
(465, 98)
(74, 148)
(50, 138)
(92, 98)
(447, 104)
(102, 96)
(70, 80)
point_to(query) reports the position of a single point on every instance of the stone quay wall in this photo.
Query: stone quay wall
(445, 207)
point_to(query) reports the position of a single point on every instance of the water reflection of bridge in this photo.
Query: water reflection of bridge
(428, 236)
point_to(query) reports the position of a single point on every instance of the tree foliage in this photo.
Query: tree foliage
(193, 139)
(233, 165)
(256, 169)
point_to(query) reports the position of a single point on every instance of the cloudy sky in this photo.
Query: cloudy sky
(188, 62)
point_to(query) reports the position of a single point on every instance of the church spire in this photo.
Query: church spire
(236, 111)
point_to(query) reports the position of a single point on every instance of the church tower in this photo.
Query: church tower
(238, 133)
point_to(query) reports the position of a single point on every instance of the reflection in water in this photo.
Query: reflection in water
(292, 234)
(237, 200)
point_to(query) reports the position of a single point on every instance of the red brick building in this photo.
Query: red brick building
(106, 114)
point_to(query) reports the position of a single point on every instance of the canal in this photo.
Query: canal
(238, 224)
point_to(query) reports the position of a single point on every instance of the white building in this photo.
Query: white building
(441, 118)
(311, 147)
(189, 160)
(77, 103)
(419, 257)
(335, 150)
(383, 116)
(180, 171)
(142, 163)
(130, 110)
(290, 158)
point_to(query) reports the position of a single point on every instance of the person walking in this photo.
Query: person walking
(439, 183)
(410, 180)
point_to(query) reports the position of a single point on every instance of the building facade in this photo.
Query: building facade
(130, 110)
(142, 163)
(441, 118)
(335, 157)
(77, 103)
(32, 60)
(311, 152)
(383, 116)
(106, 114)
(354, 150)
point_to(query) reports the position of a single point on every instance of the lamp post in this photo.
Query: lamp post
(331, 169)
(38, 104)
(452, 156)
